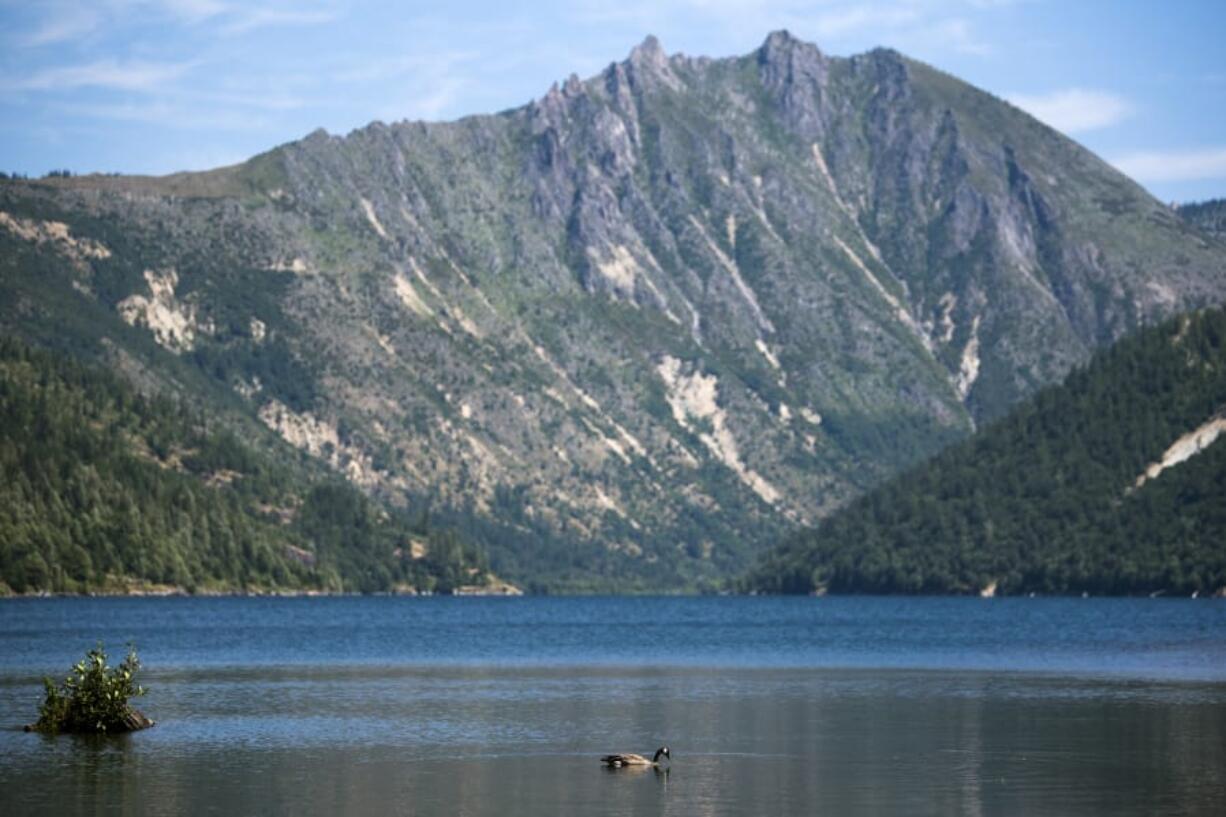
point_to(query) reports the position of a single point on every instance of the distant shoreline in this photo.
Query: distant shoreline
(498, 591)
(502, 593)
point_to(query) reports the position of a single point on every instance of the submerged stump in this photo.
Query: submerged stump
(132, 721)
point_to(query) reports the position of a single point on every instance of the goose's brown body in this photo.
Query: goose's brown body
(631, 759)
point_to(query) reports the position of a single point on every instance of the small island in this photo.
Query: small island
(93, 698)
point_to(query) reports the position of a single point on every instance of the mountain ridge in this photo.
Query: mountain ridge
(645, 323)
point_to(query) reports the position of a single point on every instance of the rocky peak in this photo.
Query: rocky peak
(886, 68)
(648, 66)
(797, 73)
(548, 112)
(649, 54)
(573, 87)
(783, 52)
(318, 136)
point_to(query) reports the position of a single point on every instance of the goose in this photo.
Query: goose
(630, 759)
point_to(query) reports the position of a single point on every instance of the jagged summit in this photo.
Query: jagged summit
(782, 42)
(776, 44)
(649, 52)
(779, 47)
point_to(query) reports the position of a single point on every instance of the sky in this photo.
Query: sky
(157, 86)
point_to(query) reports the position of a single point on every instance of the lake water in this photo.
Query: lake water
(502, 706)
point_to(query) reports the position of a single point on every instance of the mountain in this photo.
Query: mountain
(105, 490)
(634, 331)
(1113, 482)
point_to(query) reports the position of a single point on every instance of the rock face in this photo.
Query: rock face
(640, 326)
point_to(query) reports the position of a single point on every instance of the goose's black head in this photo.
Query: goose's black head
(662, 751)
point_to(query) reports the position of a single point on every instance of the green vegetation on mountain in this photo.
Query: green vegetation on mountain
(1208, 216)
(1080, 489)
(106, 490)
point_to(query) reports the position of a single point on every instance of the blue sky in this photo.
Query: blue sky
(154, 86)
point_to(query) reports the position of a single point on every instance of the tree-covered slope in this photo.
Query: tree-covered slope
(1207, 216)
(1114, 482)
(103, 489)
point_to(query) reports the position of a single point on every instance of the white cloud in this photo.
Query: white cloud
(381, 68)
(248, 19)
(957, 33)
(427, 86)
(135, 75)
(62, 25)
(238, 17)
(73, 20)
(1074, 110)
(192, 11)
(1174, 165)
(267, 99)
(914, 26)
(430, 105)
(933, 36)
(649, 15)
(843, 20)
(172, 114)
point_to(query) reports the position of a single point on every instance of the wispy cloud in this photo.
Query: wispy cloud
(245, 19)
(1075, 110)
(191, 11)
(429, 105)
(922, 24)
(426, 86)
(172, 114)
(907, 24)
(925, 34)
(958, 34)
(62, 25)
(133, 75)
(73, 20)
(241, 17)
(1174, 165)
(380, 68)
(841, 20)
(648, 15)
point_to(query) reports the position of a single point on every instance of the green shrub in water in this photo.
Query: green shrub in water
(94, 697)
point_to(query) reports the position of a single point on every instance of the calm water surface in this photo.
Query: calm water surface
(501, 706)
